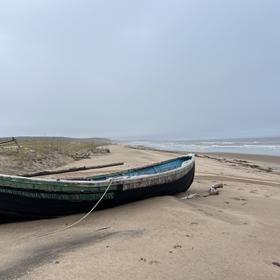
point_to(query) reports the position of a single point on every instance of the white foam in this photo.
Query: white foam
(252, 147)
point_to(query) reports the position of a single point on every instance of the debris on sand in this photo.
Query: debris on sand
(213, 190)
(276, 264)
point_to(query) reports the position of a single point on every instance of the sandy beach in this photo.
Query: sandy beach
(233, 235)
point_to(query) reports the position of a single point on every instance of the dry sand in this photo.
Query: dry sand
(234, 235)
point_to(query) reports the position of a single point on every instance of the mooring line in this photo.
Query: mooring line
(80, 220)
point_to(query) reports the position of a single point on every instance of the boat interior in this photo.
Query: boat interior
(148, 170)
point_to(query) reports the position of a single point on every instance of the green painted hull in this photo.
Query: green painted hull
(26, 197)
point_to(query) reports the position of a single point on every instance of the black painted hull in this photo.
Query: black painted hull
(24, 207)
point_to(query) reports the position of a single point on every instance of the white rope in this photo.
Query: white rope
(82, 218)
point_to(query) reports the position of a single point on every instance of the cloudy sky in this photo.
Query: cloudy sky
(144, 69)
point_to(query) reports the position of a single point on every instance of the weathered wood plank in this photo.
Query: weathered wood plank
(68, 170)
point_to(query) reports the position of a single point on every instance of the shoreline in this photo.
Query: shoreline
(245, 159)
(271, 158)
(256, 157)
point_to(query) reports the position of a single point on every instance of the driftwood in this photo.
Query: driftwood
(73, 169)
(13, 140)
(213, 190)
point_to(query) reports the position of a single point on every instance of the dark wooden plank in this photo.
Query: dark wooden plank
(68, 170)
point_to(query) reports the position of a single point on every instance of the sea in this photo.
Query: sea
(257, 146)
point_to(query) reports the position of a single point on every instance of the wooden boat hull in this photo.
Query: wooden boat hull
(61, 198)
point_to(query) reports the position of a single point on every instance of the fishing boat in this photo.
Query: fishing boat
(24, 197)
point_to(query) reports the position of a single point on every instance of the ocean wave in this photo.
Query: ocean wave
(255, 147)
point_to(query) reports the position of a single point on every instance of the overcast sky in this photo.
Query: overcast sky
(144, 69)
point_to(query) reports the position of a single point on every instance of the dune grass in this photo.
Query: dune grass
(47, 153)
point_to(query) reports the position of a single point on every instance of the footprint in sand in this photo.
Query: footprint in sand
(154, 262)
(144, 260)
(227, 202)
(239, 198)
(176, 246)
(276, 263)
(253, 191)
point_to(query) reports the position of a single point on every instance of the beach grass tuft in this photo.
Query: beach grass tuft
(35, 154)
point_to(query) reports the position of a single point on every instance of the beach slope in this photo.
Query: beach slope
(233, 235)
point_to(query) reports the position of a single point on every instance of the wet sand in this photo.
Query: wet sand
(233, 235)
